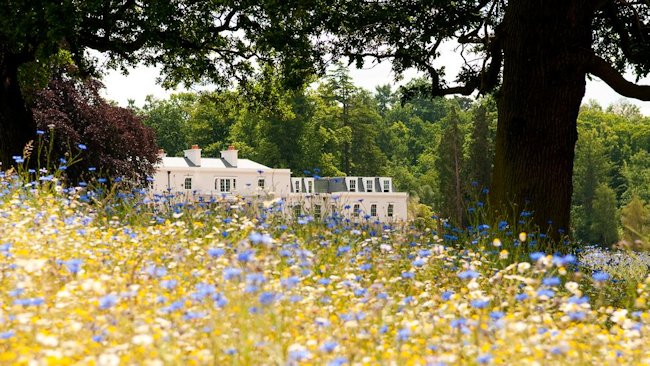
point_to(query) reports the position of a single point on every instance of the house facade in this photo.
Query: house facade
(229, 176)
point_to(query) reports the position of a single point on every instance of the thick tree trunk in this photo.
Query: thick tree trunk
(543, 84)
(17, 126)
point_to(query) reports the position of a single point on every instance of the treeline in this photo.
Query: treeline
(440, 150)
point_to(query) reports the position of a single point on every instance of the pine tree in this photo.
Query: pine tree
(450, 168)
(591, 169)
(480, 158)
(604, 218)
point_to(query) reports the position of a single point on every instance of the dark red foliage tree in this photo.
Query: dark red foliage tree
(114, 141)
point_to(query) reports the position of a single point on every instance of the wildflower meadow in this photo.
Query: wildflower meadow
(105, 276)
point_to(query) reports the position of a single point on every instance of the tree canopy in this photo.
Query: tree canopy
(533, 54)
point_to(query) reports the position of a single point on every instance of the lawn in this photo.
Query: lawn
(110, 278)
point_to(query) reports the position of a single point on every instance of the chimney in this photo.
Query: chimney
(162, 153)
(194, 155)
(230, 156)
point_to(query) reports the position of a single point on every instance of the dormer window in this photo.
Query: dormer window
(369, 185)
(386, 184)
(352, 185)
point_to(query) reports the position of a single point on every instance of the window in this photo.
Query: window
(369, 185)
(386, 185)
(356, 210)
(225, 184)
(297, 184)
(297, 210)
(389, 210)
(260, 183)
(373, 210)
(317, 211)
(333, 209)
(353, 185)
(310, 186)
(188, 183)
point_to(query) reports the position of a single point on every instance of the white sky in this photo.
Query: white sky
(141, 82)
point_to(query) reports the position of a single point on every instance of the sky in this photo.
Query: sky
(141, 82)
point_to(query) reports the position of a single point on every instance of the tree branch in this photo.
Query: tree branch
(602, 69)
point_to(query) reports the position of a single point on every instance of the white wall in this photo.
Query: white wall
(342, 199)
(277, 181)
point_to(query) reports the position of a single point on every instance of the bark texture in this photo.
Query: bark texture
(544, 44)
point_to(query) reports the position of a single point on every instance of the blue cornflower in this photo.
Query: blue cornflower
(551, 281)
(545, 292)
(537, 256)
(168, 284)
(408, 275)
(246, 255)
(496, 315)
(342, 250)
(329, 346)
(600, 276)
(424, 252)
(562, 261)
(156, 271)
(82, 147)
(469, 274)
(108, 301)
(446, 295)
(484, 358)
(403, 334)
(216, 252)
(8, 334)
(521, 297)
(203, 290)
(480, 304)
(577, 315)
(339, 361)
(255, 278)
(458, 323)
(231, 273)
(257, 238)
(365, 266)
(299, 355)
(290, 282)
(219, 300)
(176, 305)
(418, 262)
(578, 300)
(268, 298)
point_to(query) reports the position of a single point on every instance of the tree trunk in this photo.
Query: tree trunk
(543, 84)
(17, 126)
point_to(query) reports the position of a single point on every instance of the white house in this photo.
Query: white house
(353, 197)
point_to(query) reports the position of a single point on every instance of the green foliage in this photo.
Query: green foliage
(612, 150)
(635, 219)
(451, 168)
(604, 219)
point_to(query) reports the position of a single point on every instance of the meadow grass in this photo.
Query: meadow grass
(91, 275)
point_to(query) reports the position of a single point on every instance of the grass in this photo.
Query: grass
(97, 276)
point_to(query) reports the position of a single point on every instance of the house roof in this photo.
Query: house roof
(210, 163)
